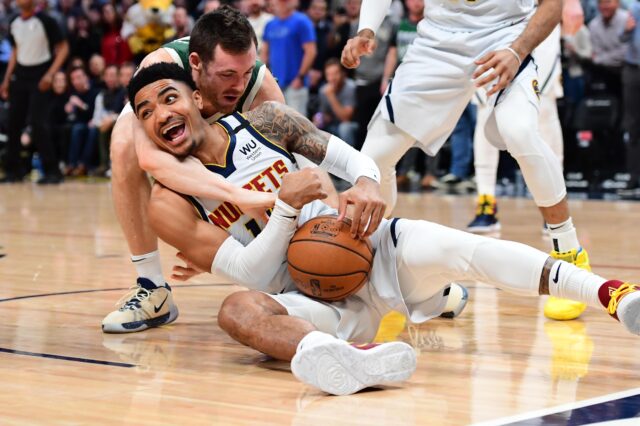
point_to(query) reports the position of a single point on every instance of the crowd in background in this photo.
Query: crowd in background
(301, 42)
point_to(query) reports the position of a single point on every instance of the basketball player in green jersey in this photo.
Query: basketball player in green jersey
(221, 56)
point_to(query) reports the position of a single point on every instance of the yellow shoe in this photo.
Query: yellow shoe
(564, 309)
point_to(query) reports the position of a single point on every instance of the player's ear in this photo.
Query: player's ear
(195, 61)
(197, 98)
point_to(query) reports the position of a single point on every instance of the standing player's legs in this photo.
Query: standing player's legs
(515, 121)
(486, 157)
(386, 144)
(131, 192)
(430, 255)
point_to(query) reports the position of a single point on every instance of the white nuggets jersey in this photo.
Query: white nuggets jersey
(255, 163)
(472, 15)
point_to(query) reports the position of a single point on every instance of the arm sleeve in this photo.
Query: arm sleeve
(372, 13)
(256, 264)
(344, 161)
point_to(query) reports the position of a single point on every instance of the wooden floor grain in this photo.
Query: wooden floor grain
(66, 264)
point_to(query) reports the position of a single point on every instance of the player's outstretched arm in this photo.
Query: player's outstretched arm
(206, 247)
(372, 13)
(503, 64)
(294, 132)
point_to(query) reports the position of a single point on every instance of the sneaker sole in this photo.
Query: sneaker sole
(340, 369)
(132, 327)
(484, 229)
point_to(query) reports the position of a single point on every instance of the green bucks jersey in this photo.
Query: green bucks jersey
(179, 51)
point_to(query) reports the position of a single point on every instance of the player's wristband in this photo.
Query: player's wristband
(514, 54)
(344, 161)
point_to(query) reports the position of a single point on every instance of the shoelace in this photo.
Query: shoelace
(617, 294)
(133, 297)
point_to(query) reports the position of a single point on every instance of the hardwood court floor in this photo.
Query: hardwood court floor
(66, 264)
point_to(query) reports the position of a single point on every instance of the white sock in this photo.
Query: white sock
(314, 338)
(570, 282)
(564, 236)
(148, 266)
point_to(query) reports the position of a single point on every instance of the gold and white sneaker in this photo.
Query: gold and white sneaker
(144, 307)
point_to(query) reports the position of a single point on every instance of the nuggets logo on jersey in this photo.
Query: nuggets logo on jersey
(252, 162)
(536, 88)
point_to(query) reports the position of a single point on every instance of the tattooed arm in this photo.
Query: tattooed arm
(289, 129)
(294, 132)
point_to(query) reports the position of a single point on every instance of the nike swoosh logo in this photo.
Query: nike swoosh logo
(290, 217)
(156, 309)
(555, 279)
(553, 229)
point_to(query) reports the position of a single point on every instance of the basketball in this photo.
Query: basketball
(325, 262)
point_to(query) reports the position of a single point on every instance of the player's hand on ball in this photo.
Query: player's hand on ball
(368, 207)
(500, 64)
(362, 44)
(184, 273)
(302, 187)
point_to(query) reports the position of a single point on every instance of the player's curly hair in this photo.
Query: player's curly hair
(226, 27)
(155, 72)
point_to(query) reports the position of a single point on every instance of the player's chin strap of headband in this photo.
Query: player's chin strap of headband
(256, 264)
(344, 161)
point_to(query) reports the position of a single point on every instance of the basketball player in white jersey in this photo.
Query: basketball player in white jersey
(413, 263)
(486, 156)
(462, 46)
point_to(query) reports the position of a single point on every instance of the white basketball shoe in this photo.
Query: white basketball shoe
(144, 307)
(340, 368)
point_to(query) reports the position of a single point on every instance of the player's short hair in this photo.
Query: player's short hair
(226, 27)
(155, 72)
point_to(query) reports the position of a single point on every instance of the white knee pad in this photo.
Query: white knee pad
(541, 169)
(550, 127)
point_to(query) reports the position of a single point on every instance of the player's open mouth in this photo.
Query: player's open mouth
(174, 132)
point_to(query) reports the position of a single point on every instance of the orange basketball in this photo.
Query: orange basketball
(324, 260)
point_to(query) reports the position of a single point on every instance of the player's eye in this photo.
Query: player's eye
(146, 113)
(171, 98)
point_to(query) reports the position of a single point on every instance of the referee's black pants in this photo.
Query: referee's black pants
(29, 106)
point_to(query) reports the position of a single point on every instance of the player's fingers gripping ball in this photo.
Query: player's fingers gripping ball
(325, 262)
